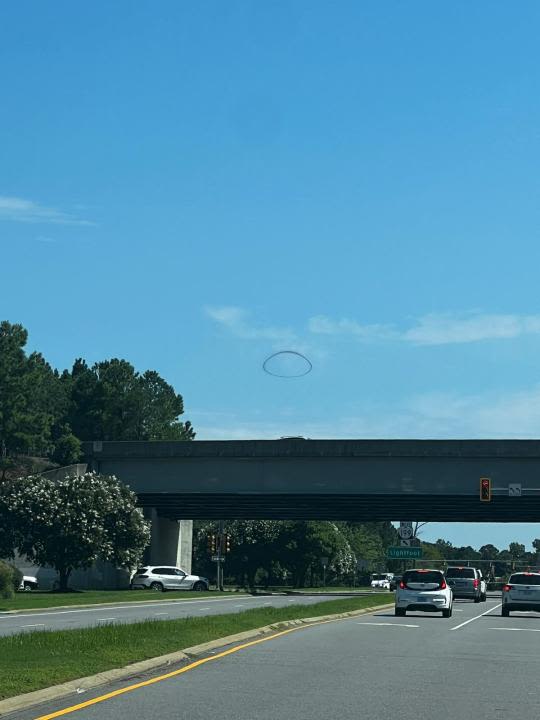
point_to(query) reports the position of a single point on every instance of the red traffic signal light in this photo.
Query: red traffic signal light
(485, 489)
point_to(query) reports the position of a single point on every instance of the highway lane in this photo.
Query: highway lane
(473, 665)
(68, 619)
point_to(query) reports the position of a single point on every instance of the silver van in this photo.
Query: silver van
(466, 582)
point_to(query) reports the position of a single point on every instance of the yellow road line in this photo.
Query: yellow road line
(180, 671)
(159, 678)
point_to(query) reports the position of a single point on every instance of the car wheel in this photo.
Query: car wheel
(477, 599)
(447, 612)
(156, 587)
(199, 587)
(484, 597)
(400, 612)
(27, 587)
(505, 612)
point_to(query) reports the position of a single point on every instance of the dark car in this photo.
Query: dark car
(394, 582)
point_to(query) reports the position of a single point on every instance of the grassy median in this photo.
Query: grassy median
(34, 660)
(45, 599)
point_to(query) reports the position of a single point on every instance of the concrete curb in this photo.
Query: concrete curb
(22, 702)
(123, 603)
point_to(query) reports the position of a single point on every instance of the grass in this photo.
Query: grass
(34, 660)
(332, 588)
(45, 599)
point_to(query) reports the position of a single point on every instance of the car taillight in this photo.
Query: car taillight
(443, 585)
(402, 585)
(506, 588)
(475, 583)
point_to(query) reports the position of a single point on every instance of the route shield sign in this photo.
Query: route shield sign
(404, 553)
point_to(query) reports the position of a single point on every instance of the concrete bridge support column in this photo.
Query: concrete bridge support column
(171, 542)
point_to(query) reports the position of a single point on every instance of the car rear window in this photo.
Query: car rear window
(415, 576)
(141, 571)
(524, 580)
(460, 573)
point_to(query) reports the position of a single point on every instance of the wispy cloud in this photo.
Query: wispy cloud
(428, 416)
(236, 321)
(18, 209)
(434, 329)
(446, 329)
(322, 325)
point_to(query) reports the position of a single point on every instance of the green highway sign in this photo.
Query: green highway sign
(404, 553)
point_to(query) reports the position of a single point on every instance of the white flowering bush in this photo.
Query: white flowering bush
(70, 523)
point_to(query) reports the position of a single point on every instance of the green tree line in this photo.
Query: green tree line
(279, 552)
(47, 413)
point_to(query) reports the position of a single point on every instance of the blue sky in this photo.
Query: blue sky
(194, 186)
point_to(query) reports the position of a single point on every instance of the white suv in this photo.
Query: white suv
(521, 592)
(423, 590)
(167, 577)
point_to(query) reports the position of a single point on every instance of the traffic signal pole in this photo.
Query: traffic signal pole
(220, 556)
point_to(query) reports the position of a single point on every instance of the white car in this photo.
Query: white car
(167, 577)
(521, 592)
(381, 580)
(29, 582)
(423, 590)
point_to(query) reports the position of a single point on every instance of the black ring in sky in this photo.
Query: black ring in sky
(287, 352)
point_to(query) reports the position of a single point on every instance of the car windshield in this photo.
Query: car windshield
(524, 579)
(460, 573)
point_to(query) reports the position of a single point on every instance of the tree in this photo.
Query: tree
(32, 398)
(365, 541)
(67, 447)
(431, 551)
(489, 552)
(70, 523)
(112, 401)
(516, 550)
(303, 545)
(536, 545)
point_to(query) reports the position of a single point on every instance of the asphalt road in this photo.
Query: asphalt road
(68, 619)
(473, 665)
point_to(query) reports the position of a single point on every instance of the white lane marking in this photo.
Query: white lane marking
(517, 629)
(267, 603)
(457, 627)
(242, 605)
(106, 619)
(203, 609)
(291, 600)
(394, 624)
(36, 625)
(133, 606)
(158, 614)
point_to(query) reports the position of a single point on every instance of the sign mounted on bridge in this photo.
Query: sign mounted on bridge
(404, 553)
(514, 489)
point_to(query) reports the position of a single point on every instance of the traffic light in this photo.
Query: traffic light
(485, 489)
(227, 543)
(211, 544)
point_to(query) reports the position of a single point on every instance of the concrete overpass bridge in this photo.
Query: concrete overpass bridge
(435, 480)
(366, 480)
